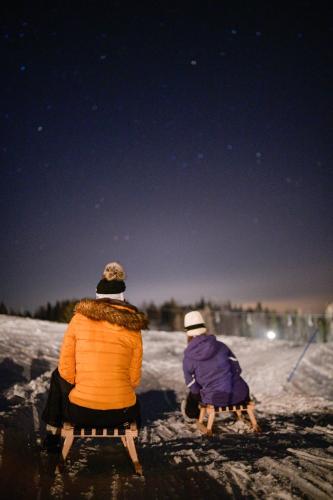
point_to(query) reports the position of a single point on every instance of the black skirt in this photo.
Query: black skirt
(81, 416)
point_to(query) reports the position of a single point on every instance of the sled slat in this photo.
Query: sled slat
(209, 412)
(126, 433)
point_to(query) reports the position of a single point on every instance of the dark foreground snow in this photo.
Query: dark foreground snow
(291, 458)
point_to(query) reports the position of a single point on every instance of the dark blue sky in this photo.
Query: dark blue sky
(190, 141)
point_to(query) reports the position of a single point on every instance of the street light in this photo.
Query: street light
(271, 335)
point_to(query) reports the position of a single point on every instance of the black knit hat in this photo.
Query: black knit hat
(112, 281)
(106, 287)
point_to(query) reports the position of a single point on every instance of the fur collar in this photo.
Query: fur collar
(114, 311)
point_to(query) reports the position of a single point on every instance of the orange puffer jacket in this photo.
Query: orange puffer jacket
(102, 354)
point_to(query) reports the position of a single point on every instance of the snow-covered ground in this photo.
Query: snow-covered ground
(291, 458)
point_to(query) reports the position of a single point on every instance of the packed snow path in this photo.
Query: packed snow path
(291, 458)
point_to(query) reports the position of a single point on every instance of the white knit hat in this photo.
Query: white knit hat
(194, 324)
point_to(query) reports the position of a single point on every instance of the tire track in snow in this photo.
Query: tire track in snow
(312, 458)
(291, 473)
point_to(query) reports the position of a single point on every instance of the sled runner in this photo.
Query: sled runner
(123, 432)
(210, 411)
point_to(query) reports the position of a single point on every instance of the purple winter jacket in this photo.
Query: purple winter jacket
(215, 370)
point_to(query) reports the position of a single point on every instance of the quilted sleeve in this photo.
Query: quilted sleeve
(136, 362)
(66, 365)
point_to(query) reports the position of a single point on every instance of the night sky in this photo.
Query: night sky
(191, 141)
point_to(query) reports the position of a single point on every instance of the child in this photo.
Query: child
(211, 370)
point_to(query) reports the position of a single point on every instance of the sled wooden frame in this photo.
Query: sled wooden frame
(126, 435)
(210, 411)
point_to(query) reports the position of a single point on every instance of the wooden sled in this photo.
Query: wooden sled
(126, 434)
(210, 411)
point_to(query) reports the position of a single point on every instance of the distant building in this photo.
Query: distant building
(232, 320)
(329, 319)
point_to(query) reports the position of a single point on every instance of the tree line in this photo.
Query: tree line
(168, 315)
(223, 318)
(61, 312)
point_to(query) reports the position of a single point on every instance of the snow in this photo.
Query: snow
(291, 458)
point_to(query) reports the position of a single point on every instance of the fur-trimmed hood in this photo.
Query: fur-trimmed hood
(114, 311)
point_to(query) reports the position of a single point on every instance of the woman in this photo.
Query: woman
(100, 360)
(211, 370)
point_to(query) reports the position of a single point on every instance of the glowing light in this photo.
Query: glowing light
(271, 335)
